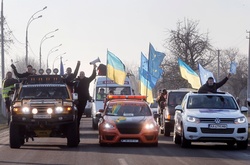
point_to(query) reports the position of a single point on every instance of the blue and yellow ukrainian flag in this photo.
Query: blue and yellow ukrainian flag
(146, 80)
(115, 69)
(188, 74)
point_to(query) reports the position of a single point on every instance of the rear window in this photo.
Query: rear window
(175, 98)
(154, 104)
(44, 92)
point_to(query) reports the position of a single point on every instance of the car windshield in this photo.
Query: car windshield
(102, 92)
(154, 104)
(44, 92)
(175, 98)
(128, 110)
(211, 102)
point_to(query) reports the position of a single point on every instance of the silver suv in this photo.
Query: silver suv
(212, 117)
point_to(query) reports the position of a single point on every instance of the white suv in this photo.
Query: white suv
(213, 117)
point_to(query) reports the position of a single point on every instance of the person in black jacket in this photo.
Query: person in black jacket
(81, 87)
(211, 86)
(22, 75)
(69, 76)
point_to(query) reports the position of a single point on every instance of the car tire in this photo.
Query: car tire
(166, 129)
(177, 138)
(15, 137)
(184, 142)
(73, 137)
(242, 145)
(94, 126)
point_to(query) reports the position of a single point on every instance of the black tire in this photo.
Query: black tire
(230, 144)
(184, 142)
(94, 126)
(242, 145)
(14, 136)
(166, 129)
(73, 137)
(102, 144)
(177, 138)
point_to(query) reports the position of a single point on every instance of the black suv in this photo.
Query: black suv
(174, 97)
(43, 106)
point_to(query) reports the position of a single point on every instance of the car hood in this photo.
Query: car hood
(127, 119)
(210, 113)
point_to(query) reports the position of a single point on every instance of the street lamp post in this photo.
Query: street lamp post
(45, 37)
(52, 51)
(32, 18)
(57, 57)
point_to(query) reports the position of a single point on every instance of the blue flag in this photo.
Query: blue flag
(204, 74)
(61, 67)
(155, 60)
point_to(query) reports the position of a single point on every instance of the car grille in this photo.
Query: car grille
(212, 120)
(129, 128)
(217, 131)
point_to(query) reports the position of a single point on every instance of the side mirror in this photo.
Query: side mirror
(243, 109)
(178, 108)
(98, 115)
(156, 115)
(101, 110)
(75, 96)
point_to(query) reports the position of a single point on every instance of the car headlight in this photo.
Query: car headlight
(149, 126)
(58, 109)
(240, 120)
(193, 119)
(25, 110)
(49, 110)
(108, 126)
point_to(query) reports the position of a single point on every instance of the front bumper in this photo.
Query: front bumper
(114, 136)
(202, 132)
(52, 120)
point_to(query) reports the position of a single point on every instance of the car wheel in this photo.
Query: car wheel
(177, 138)
(166, 129)
(242, 145)
(15, 137)
(73, 137)
(94, 126)
(101, 143)
(230, 144)
(184, 142)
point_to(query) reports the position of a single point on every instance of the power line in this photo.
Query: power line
(13, 33)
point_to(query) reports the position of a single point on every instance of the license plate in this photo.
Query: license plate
(42, 116)
(217, 126)
(129, 140)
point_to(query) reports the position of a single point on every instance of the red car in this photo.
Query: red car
(127, 119)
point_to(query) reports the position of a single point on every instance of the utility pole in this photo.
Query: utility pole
(2, 41)
(218, 71)
(248, 79)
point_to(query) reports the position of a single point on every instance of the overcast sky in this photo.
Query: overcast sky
(88, 28)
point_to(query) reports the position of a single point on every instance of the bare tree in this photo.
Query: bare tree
(191, 46)
(188, 44)
(237, 84)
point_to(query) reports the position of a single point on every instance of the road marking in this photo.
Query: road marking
(122, 161)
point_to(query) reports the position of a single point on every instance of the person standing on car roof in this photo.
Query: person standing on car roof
(211, 86)
(22, 75)
(69, 76)
(81, 87)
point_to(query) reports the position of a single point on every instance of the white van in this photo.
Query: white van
(105, 85)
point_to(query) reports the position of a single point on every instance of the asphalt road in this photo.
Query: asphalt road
(53, 151)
